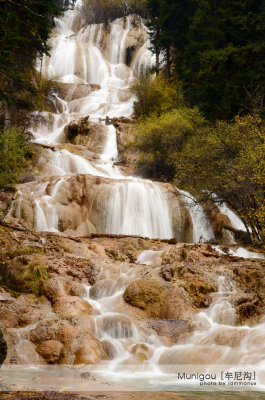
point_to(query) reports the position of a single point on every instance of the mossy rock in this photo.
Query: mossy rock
(143, 293)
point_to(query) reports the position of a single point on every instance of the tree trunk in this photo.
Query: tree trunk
(168, 70)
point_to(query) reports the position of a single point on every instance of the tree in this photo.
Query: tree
(24, 30)
(161, 138)
(217, 71)
(168, 22)
(225, 159)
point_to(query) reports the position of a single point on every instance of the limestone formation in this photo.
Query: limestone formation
(50, 350)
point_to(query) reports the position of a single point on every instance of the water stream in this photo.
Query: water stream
(215, 348)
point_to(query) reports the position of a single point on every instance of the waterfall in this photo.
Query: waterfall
(126, 205)
(202, 229)
(84, 186)
(96, 54)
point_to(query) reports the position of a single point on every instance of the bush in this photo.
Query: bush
(24, 279)
(15, 149)
(155, 96)
(160, 139)
(225, 158)
(228, 159)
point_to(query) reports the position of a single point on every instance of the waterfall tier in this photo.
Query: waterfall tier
(94, 67)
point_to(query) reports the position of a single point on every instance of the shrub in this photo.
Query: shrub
(14, 151)
(24, 279)
(155, 96)
(161, 139)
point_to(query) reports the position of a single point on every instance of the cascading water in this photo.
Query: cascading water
(129, 205)
(202, 229)
(98, 55)
(139, 357)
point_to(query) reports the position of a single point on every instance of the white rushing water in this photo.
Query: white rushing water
(140, 357)
(132, 206)
(97, 54)
(202, 229)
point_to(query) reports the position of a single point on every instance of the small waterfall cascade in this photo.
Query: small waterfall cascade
(94, 65)
(140, 356)
(202, 229)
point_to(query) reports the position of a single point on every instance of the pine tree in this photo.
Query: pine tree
(218, 66)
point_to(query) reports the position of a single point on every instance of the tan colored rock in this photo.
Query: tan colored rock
(71, 306)
(66, 332)
(50, 350)
(43, 333)
(54, 288)
(172, 329)
(99, 249)
(146, 295)
(76, 289)
(86, 133)
(90, 351)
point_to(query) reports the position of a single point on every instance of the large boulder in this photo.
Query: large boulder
(71, 306)
(50, 350)
(90, 350)
(158, 300)
(86, 133)
(146, 295)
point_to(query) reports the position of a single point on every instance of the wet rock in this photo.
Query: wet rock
(89, 351)
(73, 91)
(159, 301)
(3, 348)
(16, 313)
(142, 293)
(66, 332)
(247, 306)
(71, 306)
(50, 350)
(167, 272)
(43, 333)
(172, 329)
(199, 291)
(54, 288)
(86, 133)
(76, 289)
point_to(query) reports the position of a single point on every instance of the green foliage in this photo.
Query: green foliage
(15, 149)
(168, 22)
(226, 158)
(24, 29)
(24, 279)
(217, 50)
(161, 138)
(155, 96)
(35, 278)
(10, 254)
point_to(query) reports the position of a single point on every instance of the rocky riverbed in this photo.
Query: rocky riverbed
(57, 327)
